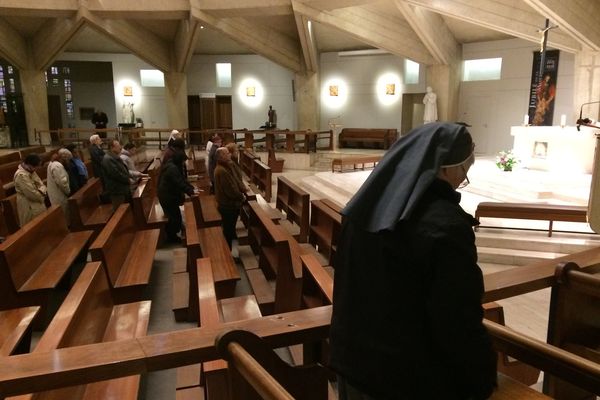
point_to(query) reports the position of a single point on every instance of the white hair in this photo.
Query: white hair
(65, 154)
(93, 138)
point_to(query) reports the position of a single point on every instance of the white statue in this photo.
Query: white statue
(430, 101)
(127, 113)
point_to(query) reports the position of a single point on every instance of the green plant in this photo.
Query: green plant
(506, 160)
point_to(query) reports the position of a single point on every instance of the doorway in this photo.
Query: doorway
(413, 110)
(210, 112)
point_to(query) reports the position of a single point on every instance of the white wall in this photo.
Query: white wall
(492, 107)
(362, 108)
(275, 80)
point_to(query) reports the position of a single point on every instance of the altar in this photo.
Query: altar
(554, 148)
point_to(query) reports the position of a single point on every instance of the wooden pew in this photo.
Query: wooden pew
(203, 242)
(127, 254)
(574, 324)
(325, 227)
(360, 137)
(89, 315)
(276, 164)
(10, 213)
(146, 207)
(354, 161)
(7, 174)
(10, 157)
(295, 202)
(262, 178)
(279, 261)
(31, 150)
(15, 330)
(206, 211)
(247, 158)
(28, 277)
(86, 210)
(213, 312)
(534, 211)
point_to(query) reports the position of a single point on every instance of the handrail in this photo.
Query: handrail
(263, 382)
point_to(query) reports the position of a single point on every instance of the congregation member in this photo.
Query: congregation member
(228, 194)
(97, 155)
(175, 134)
(79, 169)
(126, 153)
(407, 314)
(116, 176)
(175, 145)
(217, 142)
(172, 188)
(59, 189)
(31, 191)
(235, 167)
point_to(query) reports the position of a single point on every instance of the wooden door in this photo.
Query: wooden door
(194, 112)
(224, 114)
(208, 113)
(54, 112)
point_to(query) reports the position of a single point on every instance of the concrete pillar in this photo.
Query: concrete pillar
(176, 99)
(445, 82)
(307, 100)
(587, 84)
(35, 101)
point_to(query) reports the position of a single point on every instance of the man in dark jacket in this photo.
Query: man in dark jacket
(172, 187)
(116, 176)
(97, 155)
(407, 315)
(228, 193)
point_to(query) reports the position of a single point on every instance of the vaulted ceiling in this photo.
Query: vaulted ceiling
(33, 33)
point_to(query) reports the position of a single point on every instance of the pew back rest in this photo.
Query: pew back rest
(145, 194)
(295, 202)
(262, 178)
(83, 314)
(10, 157)
(247, 162)
(114, 242)
(85, 201)
(43, 234)
(10, 213)
(7, 171)
(31, 150)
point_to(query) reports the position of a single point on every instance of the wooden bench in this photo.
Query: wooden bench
(262, 178)
(86, 210)
(7, 174)
(36, 258)
(574, 324)
(206, 211)
(361, 137)
(203, 242)
(325, 227)
(278, 262)
(247, 158)
(295, 203)
(276, 164)
(534, 211)
(89, 315)
(355, 161)
(15, 330)
(10, 157)
(213, 312)
(31, 150)
(127, 254)
(10, 214)
(146, 207)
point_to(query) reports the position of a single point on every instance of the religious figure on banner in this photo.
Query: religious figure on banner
(430, 101)
(545, 93)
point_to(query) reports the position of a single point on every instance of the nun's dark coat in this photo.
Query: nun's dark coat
(407, 296)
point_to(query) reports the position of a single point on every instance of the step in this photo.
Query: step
(513, 257)
(528, 241)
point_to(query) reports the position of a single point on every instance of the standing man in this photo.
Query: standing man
(228, 194)
(100, 119)
(116, 176)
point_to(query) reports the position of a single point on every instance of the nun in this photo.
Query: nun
(407, 314)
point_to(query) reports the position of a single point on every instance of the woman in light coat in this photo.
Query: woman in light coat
(31, 192)
(58, 181)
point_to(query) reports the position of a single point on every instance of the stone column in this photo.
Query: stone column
(35, 101)
(445, 82)
(307, 100)
(587, 84)
(176, 99)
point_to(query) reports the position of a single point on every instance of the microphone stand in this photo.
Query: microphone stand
(586, 121)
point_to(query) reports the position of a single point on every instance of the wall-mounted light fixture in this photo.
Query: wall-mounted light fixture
(334, 93)
(388, 88)
(128, 91)
(251, 92)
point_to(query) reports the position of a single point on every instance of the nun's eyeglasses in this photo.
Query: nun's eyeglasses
(466, 182)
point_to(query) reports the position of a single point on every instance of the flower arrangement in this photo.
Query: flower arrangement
(506, 160)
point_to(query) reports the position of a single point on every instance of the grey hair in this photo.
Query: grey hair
(93, 138)
(65, 154)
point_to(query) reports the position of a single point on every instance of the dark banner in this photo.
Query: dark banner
(543, 91)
